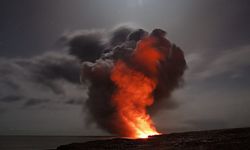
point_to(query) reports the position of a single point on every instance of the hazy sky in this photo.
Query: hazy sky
(214, 35)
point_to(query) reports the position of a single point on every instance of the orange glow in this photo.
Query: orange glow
(147, 55)
(134, 91)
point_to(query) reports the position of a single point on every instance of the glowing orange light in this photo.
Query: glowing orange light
(134, 90)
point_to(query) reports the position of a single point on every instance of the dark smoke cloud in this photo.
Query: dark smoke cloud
(119, 35)
(121, 45)
(85, 45)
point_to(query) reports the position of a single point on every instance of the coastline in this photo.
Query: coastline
(228, 139)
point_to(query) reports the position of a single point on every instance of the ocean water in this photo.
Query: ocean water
(41, 142)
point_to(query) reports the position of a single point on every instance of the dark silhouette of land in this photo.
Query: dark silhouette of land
(224, 139)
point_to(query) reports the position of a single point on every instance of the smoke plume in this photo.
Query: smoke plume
(129, 74)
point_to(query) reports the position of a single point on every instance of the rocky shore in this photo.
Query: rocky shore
(224, 139)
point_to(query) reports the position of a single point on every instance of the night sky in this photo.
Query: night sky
(40, 90)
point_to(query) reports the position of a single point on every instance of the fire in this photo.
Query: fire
(135, 88)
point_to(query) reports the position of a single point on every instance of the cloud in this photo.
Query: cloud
(54, 77)
(10, 98)
(50, 77)
(212, 63)
(74, 101)
(120, 34)
(35, 101)
(87, 45)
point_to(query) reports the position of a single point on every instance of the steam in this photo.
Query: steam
(99, 54)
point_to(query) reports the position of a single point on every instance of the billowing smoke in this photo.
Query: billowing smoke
(117, 67)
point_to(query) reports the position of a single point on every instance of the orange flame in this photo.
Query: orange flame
(134, 90)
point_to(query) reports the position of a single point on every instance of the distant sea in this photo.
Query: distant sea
(42, 142)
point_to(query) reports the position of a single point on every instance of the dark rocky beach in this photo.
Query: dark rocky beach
(223, 139)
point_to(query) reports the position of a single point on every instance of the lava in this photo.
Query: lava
(135, 88)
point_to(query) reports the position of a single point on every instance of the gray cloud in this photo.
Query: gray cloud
(50, 77)
(209, 63)
(35, 101)
(10, 98)
(74, 101)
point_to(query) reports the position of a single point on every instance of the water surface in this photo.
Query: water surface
(41, 142)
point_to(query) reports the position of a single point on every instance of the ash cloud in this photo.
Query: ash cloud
(121, 46)
(119, 35)
(54, 77)
(85, 45)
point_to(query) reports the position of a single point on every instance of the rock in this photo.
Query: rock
(225, 139)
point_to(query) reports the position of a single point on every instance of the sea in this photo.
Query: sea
(42, 142)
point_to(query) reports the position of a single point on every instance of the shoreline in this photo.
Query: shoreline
(228, 139)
